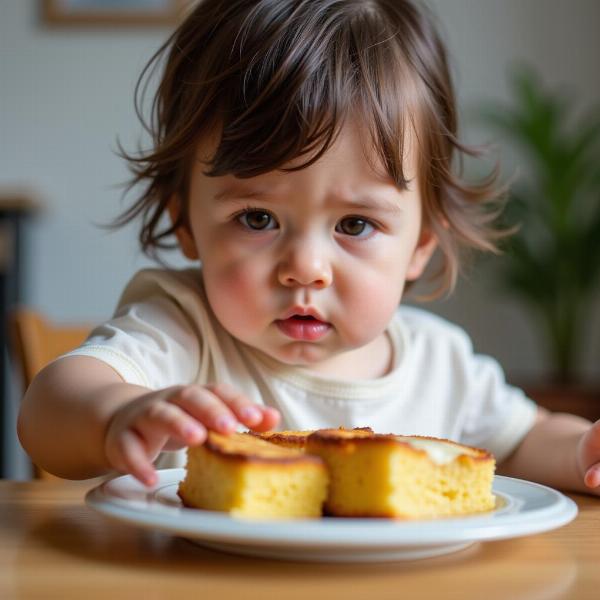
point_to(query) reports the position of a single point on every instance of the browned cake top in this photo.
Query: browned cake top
(342, 437)
(294, 437)
(343, 433)
(299, 437)
(241, 446)
(477, 453)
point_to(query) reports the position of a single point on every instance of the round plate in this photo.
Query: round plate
(522, 508)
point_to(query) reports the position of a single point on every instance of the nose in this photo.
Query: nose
(303, 263)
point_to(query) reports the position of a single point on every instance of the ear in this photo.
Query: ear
(422, 254)
(184, 235)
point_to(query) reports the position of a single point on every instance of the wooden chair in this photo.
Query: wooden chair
(35, 342)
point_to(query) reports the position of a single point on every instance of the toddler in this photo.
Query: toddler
(303, 156)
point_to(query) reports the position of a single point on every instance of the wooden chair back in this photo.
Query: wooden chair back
(35, 342)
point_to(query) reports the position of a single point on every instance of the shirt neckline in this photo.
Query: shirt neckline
(337, 387)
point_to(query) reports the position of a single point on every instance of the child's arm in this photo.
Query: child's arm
(79, 419)
(561, 450)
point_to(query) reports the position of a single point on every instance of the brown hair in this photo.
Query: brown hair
(278, 77)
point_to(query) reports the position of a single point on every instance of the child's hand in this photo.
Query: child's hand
(175, 417)
(588, 456)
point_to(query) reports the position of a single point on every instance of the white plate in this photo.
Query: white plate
(522, 508)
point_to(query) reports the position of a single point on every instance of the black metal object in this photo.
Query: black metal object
(13, 214)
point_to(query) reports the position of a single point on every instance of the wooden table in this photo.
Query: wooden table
(53, 546)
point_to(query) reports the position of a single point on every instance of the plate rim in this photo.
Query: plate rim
(346, 532)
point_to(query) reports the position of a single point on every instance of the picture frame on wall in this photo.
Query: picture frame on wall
(112, 12)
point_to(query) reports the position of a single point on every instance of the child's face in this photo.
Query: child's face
(308, 266)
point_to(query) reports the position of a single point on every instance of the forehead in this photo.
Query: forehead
(353, 145)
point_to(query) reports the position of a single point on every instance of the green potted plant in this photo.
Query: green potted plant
(552, 261)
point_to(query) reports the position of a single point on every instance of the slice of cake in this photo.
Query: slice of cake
(249, 477)
(406, 477)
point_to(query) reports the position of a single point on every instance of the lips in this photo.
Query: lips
(303, 325)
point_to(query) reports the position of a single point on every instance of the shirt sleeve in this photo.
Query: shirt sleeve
(148, 342)
(497, 415)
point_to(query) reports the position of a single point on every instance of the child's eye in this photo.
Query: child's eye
(259, 220)
(354, 226)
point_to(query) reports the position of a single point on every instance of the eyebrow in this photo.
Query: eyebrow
(363, 201)
(238, 193)
(368, 202)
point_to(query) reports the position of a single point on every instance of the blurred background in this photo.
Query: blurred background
(66, 94)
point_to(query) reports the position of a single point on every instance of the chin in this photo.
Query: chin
(301, 355)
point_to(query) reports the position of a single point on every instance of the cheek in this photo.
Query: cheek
(234, 292)
(371, 300)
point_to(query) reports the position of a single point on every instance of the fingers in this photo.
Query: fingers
(162, 419)
(221, 407)
(207, 408)
(130, 457)
(175, 418)
(271, 418)
(252, 415)
(592, 476)
(137, 435)
(239, 406)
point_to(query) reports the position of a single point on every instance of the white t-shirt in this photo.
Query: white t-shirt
(164, 333)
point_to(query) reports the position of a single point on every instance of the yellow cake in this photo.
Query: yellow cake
(407, 477)
(249, 477)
